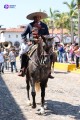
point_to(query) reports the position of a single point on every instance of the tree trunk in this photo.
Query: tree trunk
(79, 26)
(62, 34)
(72, 32)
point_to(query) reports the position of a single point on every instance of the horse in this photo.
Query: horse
(38, 70)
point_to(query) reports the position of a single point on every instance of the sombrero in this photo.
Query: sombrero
(32, 15)
(61, 44)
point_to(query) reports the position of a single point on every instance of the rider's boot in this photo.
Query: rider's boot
(22, 72)
(50, 76)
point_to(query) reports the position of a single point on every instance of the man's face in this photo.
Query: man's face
(37, 18)
(13, 51)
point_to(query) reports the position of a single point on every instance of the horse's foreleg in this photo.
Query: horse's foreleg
(33, 93)
(43, 85)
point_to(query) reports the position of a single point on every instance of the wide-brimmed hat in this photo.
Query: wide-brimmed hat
(32, 15)
(61, 44)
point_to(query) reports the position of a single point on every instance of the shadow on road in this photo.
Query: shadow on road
(57, 72)
(9, 109)
(62, 108)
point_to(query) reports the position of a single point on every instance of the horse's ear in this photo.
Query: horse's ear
(44, 38)
(50, 38)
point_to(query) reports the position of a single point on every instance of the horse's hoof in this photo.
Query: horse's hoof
(45, 107)
(29, 103)
(41, 111)
(34, 106)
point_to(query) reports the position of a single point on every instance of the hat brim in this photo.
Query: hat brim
(61, 44)
(32, 15)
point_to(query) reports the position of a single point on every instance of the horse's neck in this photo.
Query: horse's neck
(40, 48)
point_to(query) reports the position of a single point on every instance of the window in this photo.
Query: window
(9, 36)
(16, 44)
(16, 36)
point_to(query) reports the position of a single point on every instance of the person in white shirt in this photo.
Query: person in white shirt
(12, 59)
(6, 59)
(1, 61)
(24, 57)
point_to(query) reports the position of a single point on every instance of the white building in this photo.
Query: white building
(12, 35)
(66, 37)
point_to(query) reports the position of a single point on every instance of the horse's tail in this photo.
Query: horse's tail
(37, 86)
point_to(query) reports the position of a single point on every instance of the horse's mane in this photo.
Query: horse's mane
(32, 50)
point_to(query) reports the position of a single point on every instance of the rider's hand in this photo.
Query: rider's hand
(29, 43)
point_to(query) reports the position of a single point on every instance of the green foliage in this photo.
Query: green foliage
(63, 20)
(78, 3)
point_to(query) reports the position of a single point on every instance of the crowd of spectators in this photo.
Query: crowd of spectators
(8, 59)
(68, 53)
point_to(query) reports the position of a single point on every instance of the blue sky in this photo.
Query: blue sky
(12, 17)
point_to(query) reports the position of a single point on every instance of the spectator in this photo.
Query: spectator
(60, 52)
(1, 61)
(77, 54)
(12, 59)
(71, 53)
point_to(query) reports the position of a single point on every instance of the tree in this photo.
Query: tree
(72, 15)
(78, 5)
(61, 19)
(53, 17)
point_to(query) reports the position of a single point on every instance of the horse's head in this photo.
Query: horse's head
(43, 57)
(48, 42)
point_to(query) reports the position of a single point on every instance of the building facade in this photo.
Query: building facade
(12, 35)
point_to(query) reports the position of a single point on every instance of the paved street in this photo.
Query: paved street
(62, 98)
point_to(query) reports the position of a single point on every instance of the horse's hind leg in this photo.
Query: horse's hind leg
(28, 88)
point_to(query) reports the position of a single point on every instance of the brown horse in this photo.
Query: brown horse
(38, 70)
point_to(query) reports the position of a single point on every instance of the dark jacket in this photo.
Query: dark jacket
(43, 31)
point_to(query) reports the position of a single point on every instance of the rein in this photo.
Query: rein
(39, 61)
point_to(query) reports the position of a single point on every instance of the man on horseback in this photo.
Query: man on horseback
(34, 29)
